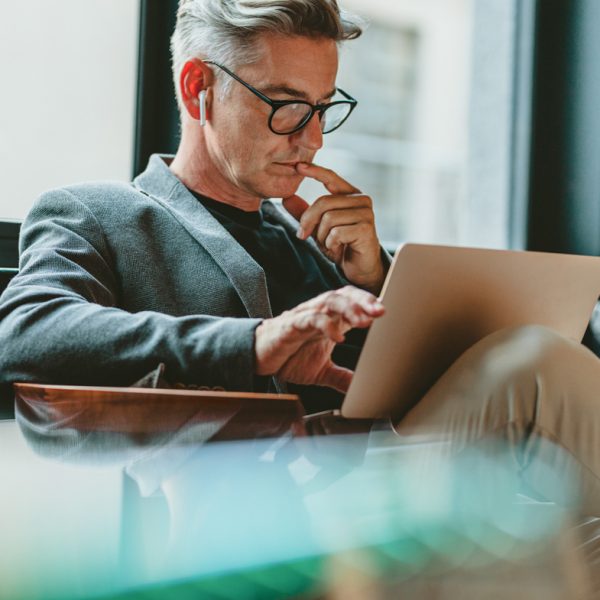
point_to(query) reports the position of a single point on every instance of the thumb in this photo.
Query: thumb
(295, 206)
(336, 377)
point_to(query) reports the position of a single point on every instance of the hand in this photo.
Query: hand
(296, 346)
(343, 225)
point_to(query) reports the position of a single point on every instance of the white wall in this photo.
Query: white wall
(68, 73)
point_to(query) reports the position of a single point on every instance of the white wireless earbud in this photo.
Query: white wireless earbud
(202, 100)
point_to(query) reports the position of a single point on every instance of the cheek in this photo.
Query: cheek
(253, 143)
(237, 148)
(249, 149)
(261, 151)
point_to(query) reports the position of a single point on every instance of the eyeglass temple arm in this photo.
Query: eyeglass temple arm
(347, 96)
(248, 87)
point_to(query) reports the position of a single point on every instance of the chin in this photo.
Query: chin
(282, 187)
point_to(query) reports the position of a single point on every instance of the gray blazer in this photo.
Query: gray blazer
(115, 278)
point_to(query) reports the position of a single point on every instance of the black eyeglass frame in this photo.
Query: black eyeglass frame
(277, 104)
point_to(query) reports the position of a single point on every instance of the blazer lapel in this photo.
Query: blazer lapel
(246, 276)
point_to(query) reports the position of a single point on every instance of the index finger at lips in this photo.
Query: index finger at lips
(330, 179)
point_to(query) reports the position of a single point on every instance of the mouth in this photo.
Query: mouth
(289, 166)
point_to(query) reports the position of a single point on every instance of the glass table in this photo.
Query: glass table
(168, 498)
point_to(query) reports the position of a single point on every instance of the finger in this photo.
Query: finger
(333, 247)
(344, 218)
(336, 377)
(319, 324)
(367, 301)
(330, 179)
(296, 206)
(325, 302)
(356, 307)
(335, 255)
(314, 214)
(347, 235)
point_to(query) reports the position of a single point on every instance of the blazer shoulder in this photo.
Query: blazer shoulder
(102, 191)
(100, 198)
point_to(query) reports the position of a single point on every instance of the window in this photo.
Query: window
(430, 140)
(68, 101)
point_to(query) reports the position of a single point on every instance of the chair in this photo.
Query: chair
(9, 242)
(9, 260)
(5, 276)
(9, 251)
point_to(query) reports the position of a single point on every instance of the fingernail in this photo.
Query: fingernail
(300, 233)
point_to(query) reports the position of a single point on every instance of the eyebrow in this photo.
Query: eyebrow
(289, 91)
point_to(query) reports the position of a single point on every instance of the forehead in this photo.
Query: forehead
(303, 63)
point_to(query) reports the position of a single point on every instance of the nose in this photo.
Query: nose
(310, 136)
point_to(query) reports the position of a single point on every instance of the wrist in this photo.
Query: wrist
(372, 281)
(259, 334)
(376, 285)
(265, 363)
(384, 266)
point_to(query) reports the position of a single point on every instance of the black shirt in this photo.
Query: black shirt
(293, 276)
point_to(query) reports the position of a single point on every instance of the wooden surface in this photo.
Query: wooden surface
(147, 410)
(57, 393)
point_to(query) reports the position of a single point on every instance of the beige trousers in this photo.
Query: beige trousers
(535, 390)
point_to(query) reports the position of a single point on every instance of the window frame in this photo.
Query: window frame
(564, 207)
(157, 115)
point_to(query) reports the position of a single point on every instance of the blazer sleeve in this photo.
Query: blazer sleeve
(59, 320)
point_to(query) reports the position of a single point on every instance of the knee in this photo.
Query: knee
(530, 350)
(532, 344)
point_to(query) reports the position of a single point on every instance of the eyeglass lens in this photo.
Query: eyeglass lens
(289, 117)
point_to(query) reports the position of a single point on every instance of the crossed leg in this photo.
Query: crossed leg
(533, 389)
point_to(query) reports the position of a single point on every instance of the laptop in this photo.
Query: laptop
(441, 300)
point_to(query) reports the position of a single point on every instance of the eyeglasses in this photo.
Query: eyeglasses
(289, 116)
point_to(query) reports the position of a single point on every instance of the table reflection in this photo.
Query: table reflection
(283, 513)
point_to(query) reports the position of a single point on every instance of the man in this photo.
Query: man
(136, 276)
(190, 267)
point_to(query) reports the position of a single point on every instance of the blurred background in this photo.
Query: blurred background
(475, 125)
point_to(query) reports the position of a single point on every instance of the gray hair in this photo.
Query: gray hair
(226, 31)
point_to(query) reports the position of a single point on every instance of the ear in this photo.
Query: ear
(195, 77)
